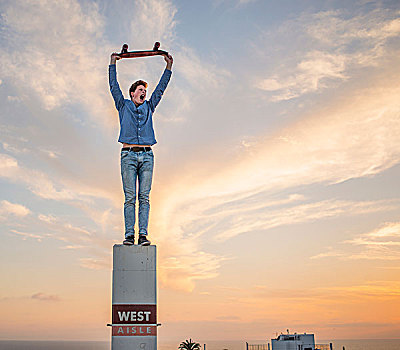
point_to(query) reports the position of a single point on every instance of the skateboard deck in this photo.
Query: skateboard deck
(135, 54)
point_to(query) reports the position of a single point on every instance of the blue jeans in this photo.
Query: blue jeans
(136, 165)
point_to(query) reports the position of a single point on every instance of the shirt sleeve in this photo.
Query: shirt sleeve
(114, 86)
(159, 90)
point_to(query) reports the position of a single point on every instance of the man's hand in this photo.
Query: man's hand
(114, 58)
(169, 61)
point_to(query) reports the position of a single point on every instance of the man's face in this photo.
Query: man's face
(139, 95)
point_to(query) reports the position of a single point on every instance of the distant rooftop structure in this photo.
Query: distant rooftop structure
(294, 342)
(291, 342)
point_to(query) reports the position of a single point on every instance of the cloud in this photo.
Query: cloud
(13, 149)
(181, 271)
(13, 98)
(91, 231)
(60, 188)
(158, 19)
(96, 264)
(327, 255)
(368, 290)
(390, 230)
(37, 296)
(266, 218)
(61, 229)
(47, 218)
(45, 297)
(228, 318)
(245, 2)
(7, 164)
(237, 4)
(333, 46)
(72, 247)
(59, 60)
(380, 244)
(51, 154)
(7, 208)
(193, 69)
(311, 74)
(336, 28)
(26, 235)
(38, 182)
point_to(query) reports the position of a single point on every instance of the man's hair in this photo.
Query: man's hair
(135, 85)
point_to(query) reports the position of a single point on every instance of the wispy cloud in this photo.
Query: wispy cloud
(181, 271)
(380, 244)
(311, 74)
(59, 61)
(37, 296)
(38, 182)
(53, 227)
(266, 219)
(45, 186)
(380, 236)
(13, 98)
(26, 235)
(13, 149)
(96, 264)
(333, 45)
(157, 18)
(45, 297)
(327, 254)
(369, 290)
(72, 247)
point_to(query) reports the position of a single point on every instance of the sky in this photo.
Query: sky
(275, 202)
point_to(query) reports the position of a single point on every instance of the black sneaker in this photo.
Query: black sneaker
(129, 240)
(143, 240)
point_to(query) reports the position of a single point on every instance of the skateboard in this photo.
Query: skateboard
(134, 54)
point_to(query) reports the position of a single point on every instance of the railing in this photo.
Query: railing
(267, 347)
(257, 346)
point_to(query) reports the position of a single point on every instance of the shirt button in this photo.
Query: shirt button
(139, 128)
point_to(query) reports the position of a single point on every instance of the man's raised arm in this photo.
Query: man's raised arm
(162, 85)
(112, 79)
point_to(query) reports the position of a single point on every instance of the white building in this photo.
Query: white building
(294, 342)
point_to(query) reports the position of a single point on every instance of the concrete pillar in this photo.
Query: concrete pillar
(134, 298)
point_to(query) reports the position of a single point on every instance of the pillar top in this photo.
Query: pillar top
(134, 257)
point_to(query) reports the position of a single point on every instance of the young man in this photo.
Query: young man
(137, 137)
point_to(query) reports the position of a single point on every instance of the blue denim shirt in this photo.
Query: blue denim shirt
(136, 122)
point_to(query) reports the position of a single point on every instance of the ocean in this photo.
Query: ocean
(355, 344)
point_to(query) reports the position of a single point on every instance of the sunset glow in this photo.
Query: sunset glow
(275, 201)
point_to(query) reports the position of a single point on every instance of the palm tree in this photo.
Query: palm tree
(189, 345)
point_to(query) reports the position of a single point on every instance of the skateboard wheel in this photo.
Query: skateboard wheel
(124, 48)
(156, 46)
